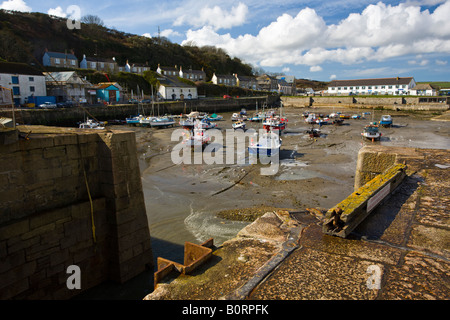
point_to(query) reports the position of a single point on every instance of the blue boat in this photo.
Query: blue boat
(134, 120)
(386, 121)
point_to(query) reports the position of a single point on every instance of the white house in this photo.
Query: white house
(228, 80)
(424, 89)
(101, 64)
(168, 71)
(23, 80)
(172, 89)
(193, 75)
(381, 86)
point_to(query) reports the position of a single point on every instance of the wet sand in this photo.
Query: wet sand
(184, 200)
(199, 201)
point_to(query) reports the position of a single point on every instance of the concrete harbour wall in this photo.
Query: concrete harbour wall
(69, 197)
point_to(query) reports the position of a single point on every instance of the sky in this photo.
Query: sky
(319, 40)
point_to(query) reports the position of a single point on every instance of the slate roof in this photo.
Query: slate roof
(371, 82)
(171, 81)
(18, 68)
(61, 55)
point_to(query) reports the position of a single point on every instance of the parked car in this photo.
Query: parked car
(226, 96)
(133, 101)
(48, 105)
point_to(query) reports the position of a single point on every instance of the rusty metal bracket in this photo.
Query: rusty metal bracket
(194, 256)
(348, 214)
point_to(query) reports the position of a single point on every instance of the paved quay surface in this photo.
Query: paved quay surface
(402, 249)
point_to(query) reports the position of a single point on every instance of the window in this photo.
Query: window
(31, 79)
(92, 64)
(72, 62)
(383, 87)
(363, 87)
(57, 61)
(390, 87)
(369, 87)
(16, 91)
(31, 89)
(15, 80)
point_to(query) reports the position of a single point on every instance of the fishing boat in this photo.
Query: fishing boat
(356, 116)
(240, 124)
(162, 122)
(214, 117)
(257, 117)
(197, 137)
(134, 120)
(206, 124)
(386, 121)
(268, 144)
(238, 117)
(338, 121)
(275, 123)
(313, 133)
(371, 132)
(311, 118)
(322, 121)
(145, 121)
(91, 124)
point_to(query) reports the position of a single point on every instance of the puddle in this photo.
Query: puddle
(303, 174)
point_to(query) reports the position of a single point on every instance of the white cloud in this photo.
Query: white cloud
(441, 62)
(148, 35)
(15, 5)
(286, 69)
(333, 76)
(378, 33)
(58, 12)
(315, 69)
(169, 32)
(215, 17)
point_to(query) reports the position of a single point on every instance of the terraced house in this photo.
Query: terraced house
(381, 86)
(59, 59)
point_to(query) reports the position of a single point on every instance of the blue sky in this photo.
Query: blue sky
(320, 40)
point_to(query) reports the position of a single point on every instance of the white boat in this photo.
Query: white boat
(91, 124)
(239, 125)
(206, 124)
(371, 132)
(197, 136)
(268, 144)
(145, 121)
(311, 118)
(238, 117)
(162, 122)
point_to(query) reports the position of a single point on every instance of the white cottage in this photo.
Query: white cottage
(172, 89)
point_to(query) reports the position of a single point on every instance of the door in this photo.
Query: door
(112, 96)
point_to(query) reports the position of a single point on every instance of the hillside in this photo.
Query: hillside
(25, 36)
(314, 84)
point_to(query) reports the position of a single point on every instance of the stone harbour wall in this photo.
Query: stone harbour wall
(70, 197)
(392, 103)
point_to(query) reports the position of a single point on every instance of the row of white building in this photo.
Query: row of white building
(381, 86)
